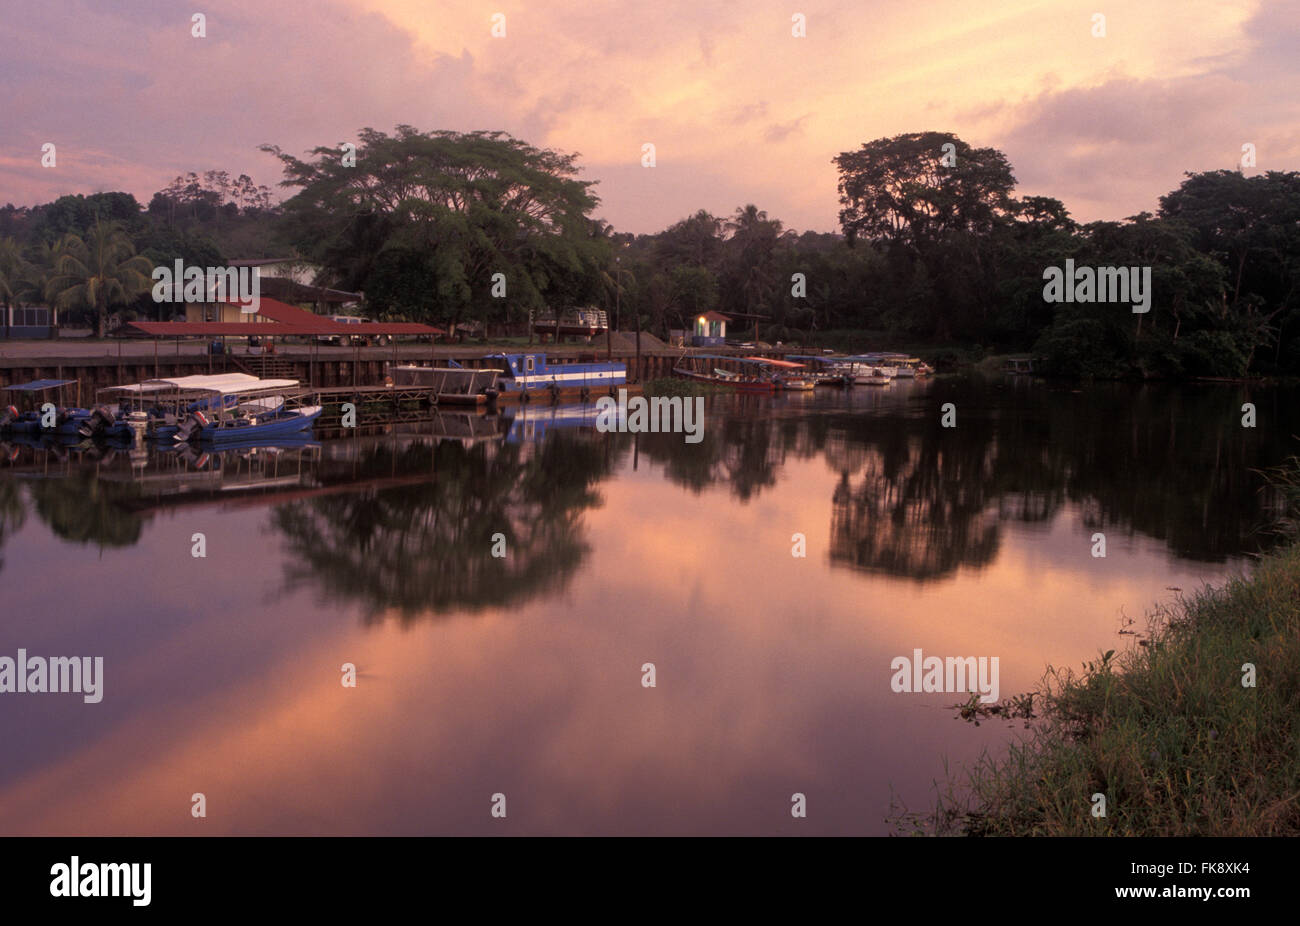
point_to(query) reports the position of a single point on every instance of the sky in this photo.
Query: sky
(739, 109)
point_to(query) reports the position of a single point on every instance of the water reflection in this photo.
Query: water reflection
(404, 521)
(622, 549)
(919, 500)
(427, 547)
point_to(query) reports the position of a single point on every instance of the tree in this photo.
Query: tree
(750, 265)
(100, 271)
(901, 189)
(465, 205)
(1250, 225)
(78, 214)
(12, 268)
(696, 240)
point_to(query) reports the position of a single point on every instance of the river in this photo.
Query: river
(486, 681)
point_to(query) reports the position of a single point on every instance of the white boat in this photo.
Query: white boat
(869, 374)
(901, 365)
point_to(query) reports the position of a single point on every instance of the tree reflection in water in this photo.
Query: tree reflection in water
(909, 497)
(918, 500)
(427, 547)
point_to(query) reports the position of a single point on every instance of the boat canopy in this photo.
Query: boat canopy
(786, 364)
(875, 358)
(257, 386)
(198, 382)
(225, 384)
(757, 361)
(40, 385)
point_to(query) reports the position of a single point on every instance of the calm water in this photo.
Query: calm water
(522, 675)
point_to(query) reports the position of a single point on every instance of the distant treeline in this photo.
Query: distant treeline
(934, 249)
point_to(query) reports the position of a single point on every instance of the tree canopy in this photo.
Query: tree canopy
(422, 221)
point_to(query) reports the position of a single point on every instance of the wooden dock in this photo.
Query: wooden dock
(414, 403)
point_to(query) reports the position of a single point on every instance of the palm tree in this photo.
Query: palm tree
(12, 267)
(752, 243)
(99, 271)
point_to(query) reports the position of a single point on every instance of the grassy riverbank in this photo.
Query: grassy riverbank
(674, 385)
(1167, 731)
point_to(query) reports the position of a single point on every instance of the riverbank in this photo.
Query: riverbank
(677, 386)
(1191, 732)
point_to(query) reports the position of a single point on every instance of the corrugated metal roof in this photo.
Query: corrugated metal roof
(281, 319)
(40, 385)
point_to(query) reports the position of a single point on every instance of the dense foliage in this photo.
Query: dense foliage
(935, 248)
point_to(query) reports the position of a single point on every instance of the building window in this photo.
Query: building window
(32, 317)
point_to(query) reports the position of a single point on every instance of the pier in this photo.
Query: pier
(326, 368)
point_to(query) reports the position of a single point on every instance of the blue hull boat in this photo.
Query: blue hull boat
(280, 424)
(523, 373)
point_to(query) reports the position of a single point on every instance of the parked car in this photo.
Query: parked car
(361, 337)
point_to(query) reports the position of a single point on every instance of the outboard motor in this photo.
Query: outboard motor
(97, 422)
(8, 416)
(191, 426)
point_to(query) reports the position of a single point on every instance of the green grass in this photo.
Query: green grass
(674, 385)
(1166, 731)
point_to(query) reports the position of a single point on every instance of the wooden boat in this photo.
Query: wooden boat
(700, 367)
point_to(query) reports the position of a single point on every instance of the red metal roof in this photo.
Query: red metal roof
(281, 319)
(715, 317)
(283, 313)
(239, 329)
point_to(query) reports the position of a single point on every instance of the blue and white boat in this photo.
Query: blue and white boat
(530, 425)
(532, 373)
(161, 404)
(253, 412)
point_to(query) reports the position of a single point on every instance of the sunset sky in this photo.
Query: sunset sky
(739, 110)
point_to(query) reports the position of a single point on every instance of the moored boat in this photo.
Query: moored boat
(452, 383)
(522, 375)
(46, 413)
(248, 423)
(263, 410)
(157, 406)
(578, 323)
